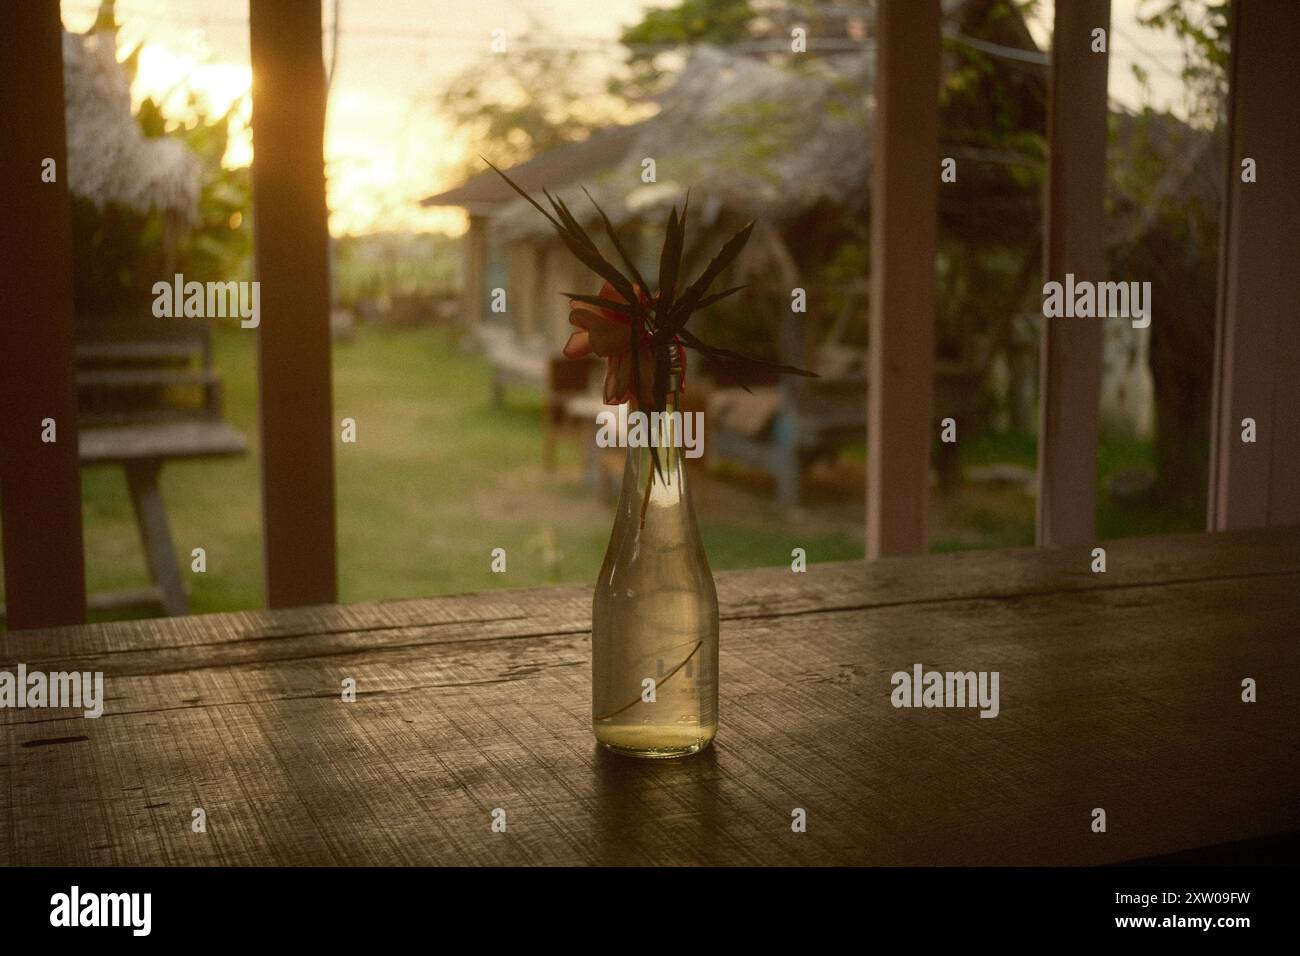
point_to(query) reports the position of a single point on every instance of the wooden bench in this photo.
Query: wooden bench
(783, 428)
(148, 393)
(513, 362)
(534, 362)
(567, 380)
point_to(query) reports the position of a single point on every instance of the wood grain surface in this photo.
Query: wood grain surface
(1119, 690)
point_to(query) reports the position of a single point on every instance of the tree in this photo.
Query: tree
(1178, 251)
(220, 244)
(720, 22)
(526, 100)
(993, 122)
(120, 252)
(1201, 27)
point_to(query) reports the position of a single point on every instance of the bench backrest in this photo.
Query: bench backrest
(134, 371)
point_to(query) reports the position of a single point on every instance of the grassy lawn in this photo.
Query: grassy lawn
(1007, 520)
(438, 477)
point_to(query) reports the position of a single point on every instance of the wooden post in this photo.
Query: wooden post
(475, 273)
(1257, 353)
(904, 196)
(291, 238)
(522, 299)
(1070, 377)
(40, 482)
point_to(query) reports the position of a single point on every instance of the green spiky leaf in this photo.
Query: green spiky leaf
(670, 262)
(708, 300)
(695, 292)
(618, 245)
(620, 307)
(728, 355)
(665, 327)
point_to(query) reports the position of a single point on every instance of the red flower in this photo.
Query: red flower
(604, 332)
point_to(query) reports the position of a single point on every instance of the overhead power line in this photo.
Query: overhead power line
(611, 45)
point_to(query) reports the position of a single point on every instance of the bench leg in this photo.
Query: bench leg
(786, 462)
(155, 534)
(549, 428)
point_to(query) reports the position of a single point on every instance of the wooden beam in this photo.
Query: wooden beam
(475, 252)
(1257, 353)
(1070, 376)
(291, 238)
(40, 482)
(522, 299)
(904, 197)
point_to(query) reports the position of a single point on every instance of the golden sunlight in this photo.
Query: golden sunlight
(379, 152)
(382, 152)
(183, 85)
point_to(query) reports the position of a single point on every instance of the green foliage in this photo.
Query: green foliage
(441, 473)
(993, 122)
(516, 106)
(1176, 248)
(692, 21)
(1202, 28)
(118, 253)
(689, 23)
(220, 246)
(370, 268)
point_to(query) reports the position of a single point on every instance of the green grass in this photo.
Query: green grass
(438, 477)
(215, 505)
(1000, 448)
(987, 520)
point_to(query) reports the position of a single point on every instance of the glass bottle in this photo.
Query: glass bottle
(654, 633)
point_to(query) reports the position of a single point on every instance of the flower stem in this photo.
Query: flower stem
(645, 499)
(658, 684)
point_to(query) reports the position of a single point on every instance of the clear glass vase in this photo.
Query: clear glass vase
(654, 633)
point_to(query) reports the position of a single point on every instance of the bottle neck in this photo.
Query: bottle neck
(664, 436)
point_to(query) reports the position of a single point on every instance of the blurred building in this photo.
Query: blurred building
(758, 133)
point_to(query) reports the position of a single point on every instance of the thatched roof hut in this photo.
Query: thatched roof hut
(110, 160)
(764, 140)
(783, 139)
(749, 137)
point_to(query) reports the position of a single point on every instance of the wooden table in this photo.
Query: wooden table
(1119, 690)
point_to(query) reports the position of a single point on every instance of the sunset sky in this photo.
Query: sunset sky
(386, 147)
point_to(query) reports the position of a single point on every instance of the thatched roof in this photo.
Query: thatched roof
(763, 139)
(486, 192)
(110, 160)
